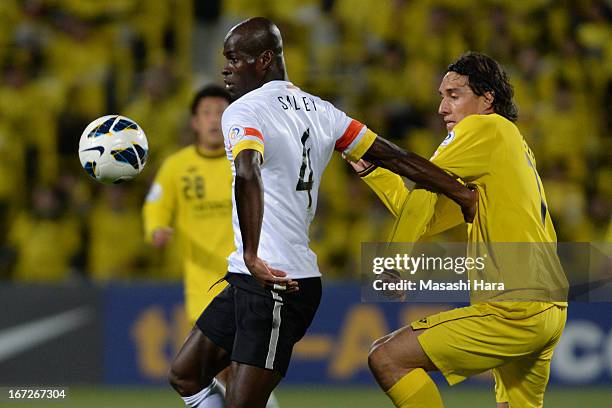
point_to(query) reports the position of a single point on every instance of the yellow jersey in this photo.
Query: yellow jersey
(39, 257)
(112, 255)
(512, 225)
(192, 191)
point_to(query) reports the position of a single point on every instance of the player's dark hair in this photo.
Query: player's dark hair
(209, 91)
(486, 75)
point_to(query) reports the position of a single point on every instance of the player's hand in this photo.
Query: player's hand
(271, 278)
(358, 166)
(392, 276)
(469, 210)
(161, 236)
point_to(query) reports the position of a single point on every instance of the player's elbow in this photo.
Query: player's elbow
(174, 379)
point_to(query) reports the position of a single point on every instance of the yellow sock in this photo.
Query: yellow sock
(415, 390)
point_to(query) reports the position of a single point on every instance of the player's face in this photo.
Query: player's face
(240, 73)
(459, 101)
(206, 121)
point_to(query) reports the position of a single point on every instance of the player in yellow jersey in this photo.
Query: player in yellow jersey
(191, 201)
(513, 332)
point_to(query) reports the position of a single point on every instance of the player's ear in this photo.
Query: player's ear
(489, 97)
(193, 123)
(265, 59)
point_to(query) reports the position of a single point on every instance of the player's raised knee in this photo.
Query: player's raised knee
(174, 379)
(181, 383)
(379, 342)
(378, 357)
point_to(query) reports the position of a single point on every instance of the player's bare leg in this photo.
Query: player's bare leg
(223, 375)
(223, 378)
(196, 364)
(395, 355)
(398, 363)
(250, 386)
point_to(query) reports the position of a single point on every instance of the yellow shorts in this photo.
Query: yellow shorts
(515, 339)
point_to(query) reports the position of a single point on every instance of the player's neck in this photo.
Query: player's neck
(276, 75)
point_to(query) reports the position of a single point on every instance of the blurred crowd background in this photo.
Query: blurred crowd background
(65, 62)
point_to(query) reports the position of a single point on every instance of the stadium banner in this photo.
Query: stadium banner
(50, 334)
(145, 325)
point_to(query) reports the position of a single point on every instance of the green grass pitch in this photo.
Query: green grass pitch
(319, 397)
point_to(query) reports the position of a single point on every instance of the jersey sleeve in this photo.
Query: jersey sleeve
(467, 150)
(447, 214)
(353, 138)
(415, 216)
(160, 203)
(389, 187)
(242, 130)
(394, 194)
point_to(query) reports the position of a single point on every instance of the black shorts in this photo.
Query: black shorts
(259, 327)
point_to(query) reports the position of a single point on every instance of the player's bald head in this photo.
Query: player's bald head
(254, 53)
(254, 36)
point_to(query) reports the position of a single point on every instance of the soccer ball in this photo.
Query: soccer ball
(113, 149)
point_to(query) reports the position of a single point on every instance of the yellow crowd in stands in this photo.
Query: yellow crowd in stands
(66, 62)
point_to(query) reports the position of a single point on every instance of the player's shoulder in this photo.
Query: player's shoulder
(489, 121)
(180, 156)
(491, 124)
(238, 107)
(322, 104)
(184, 152)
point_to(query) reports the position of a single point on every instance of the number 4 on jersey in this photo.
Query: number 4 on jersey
(303, 185)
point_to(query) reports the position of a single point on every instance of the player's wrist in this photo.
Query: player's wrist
(249, 259)
(468, 201)
(367, 170)
(466, 197)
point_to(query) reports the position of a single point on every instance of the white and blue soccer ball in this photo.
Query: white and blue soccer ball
(113, 149)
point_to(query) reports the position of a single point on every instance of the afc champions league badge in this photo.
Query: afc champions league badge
(235, 134)
(449, 138)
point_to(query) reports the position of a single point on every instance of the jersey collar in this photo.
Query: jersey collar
(275, 83)
(210, 154)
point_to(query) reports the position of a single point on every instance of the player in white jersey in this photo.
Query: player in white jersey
(279, 140)
(301, 132)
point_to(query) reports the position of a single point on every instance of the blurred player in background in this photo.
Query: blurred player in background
(514, 338)
(192, 192)
(279, 140)
(191, 201)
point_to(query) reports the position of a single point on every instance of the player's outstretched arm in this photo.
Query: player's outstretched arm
(248, 192)
(423, 172)
(388, 186)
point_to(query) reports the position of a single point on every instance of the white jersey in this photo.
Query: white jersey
(296, 134)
